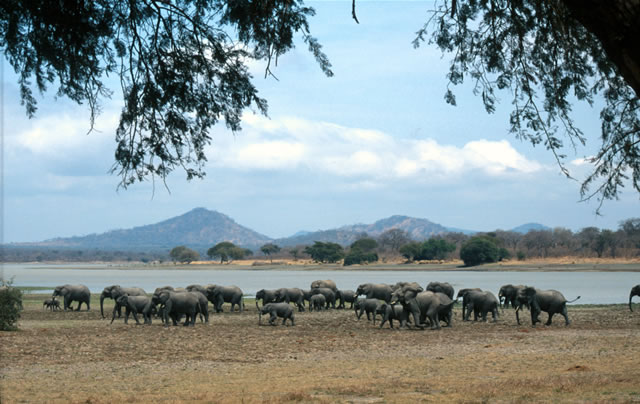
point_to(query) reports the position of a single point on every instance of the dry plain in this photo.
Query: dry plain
(327, 357)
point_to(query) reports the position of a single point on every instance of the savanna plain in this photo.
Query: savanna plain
(329, 356)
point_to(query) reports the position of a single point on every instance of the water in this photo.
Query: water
(594, 287)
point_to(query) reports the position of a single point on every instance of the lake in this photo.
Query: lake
(594, 287)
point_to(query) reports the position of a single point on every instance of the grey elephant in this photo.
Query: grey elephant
(462, 294)
(550, 301)
(422, 305)
(380, 291)
(329, 295)
(275, 310)
(306, 294)
(445, 312)
(197, 287)
(177, 304)
(324, 284)
(635, 291)
(134, 305)
(442, 287)
(73, 293)
(266, 295)
(345, 296)
(317, 302)
(114, 292)
(390, 312)
(291, 295)
(511, 295)
(218, 295)
(51, 304)
(368, 306)
(203, 305)
(481, 303)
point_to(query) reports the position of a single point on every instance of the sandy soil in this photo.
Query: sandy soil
(327, 357)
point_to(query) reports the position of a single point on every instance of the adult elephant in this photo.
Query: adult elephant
(441, 287)
(345, 296)
(177, 304)
(73, 293)
(462, 293)
(114, 292)
(329, 295)
(324, 284)
(218, 295)
(291, 295)
(266, 295)
(635, 291)
(481, 303)
(511, 295)
(203, 305)
(134, 305)
(380, 291)
(421, 305)
(550, 301)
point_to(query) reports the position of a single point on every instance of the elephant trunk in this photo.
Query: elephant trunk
(630, 297)
(259, 316)
(102, 304)
(257, 307)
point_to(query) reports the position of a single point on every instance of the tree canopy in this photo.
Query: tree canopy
(183, 68)
(227, 252)
(325, 252)
(269, 249)
(183, 254)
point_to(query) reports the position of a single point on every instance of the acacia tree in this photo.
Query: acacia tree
(269, 249)
(545, 54)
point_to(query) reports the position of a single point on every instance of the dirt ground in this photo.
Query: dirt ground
(327, 357)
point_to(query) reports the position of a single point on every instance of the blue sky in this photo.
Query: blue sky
(375, 140)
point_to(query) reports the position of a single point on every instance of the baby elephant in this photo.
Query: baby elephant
(393, 312)
(51, 304)
(275, 310)
(369, 306)
(317, 302)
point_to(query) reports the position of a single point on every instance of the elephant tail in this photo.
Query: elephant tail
(571, 301)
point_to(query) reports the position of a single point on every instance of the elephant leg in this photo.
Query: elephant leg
(517, 316)
(433, 317)
(273, 318)
(135, 315)
(494, 314)
(549, 319)
(566, 316)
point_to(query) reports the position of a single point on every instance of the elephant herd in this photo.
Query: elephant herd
(406, 302)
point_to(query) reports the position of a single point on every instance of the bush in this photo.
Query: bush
(521, 256)
(10, 306)
(183, 254)
(503, 254)
(359, 257)
(479, 250)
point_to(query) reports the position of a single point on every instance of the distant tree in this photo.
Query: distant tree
(410, 250)
(295, 253)
(479, 250)
(539, 241)
(362, 252)
(10, 305)
(325, 252)
(223, 250)
(509, 239)
(393, 239)
(436, 249)
(588, 238)
(365, 244)
(269, 249)
(631, 229)
(183, 254)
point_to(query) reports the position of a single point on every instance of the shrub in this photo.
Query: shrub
(359, 257)
(10, 306)
(521, 256)
(503, 254)
(479, 250)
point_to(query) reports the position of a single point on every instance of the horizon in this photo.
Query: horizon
(374, 140)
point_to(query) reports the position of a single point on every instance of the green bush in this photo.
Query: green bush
(359, 257)
(479, 250)
(503, 254)
(521, 256)
(10, 306)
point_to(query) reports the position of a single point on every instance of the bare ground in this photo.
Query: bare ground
(327, 357)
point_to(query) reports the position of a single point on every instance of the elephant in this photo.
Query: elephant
(442, 287)
(177, 304)
(446, 308)
(306, 295)
(134, 305)
(267, 296)
(289, 295)
(380, 291)
(329, 295)
(390, 312)
(550, 301)
(635, 291)
(324, 284)
(51, 304)
(481, 303)
(203, 305)
(218, 295)
(462, 293)
(369, 306)
(114, 292)
(199, 288)
(348, 296)
(317, 302)
(275, 310)
(509, 295)
(71, 293)
(421, 304)
(399, 285)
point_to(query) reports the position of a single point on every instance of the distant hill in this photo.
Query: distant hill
(199, 228)
(527, 227)
(418, 229)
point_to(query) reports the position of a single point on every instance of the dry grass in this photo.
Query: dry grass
(327, 357)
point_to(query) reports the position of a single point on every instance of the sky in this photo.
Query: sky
(375, 140)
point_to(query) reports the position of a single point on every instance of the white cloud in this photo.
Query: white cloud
(367, 156)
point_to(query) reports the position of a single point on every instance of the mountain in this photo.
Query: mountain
(418, 229)
(527, 227)
(199, 228)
